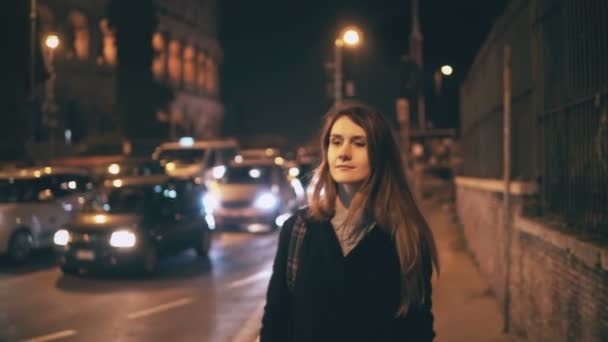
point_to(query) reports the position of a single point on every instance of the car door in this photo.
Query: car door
(46, 213)
(190, 211)
(165, 224)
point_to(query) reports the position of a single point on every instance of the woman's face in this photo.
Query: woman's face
(347, 153)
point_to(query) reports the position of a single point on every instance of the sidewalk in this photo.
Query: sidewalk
(464, 308)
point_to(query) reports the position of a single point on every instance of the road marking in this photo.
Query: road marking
(52, 337)
(251, 279)
(160, 308)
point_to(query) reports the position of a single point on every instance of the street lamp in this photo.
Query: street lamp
(349, 37)
(49, 107)
(446, 70)
(52, 41)
(443, 71)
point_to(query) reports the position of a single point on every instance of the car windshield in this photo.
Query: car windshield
(186, 156)
(123, 200)
(20, 190)
(248, 175)
(144, 168)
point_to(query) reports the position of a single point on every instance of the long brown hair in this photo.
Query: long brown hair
(385, 196)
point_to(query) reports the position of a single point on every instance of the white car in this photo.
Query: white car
(256, 195)
(34, 203)
(194, 159)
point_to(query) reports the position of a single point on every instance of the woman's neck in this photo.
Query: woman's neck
(346, 192)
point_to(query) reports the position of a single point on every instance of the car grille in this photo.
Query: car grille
(236, 204)
(82, 237)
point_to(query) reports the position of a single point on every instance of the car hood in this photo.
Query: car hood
(102, 221)
(184, 170)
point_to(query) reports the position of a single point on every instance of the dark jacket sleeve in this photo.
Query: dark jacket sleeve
(418, 324)
(275, 321)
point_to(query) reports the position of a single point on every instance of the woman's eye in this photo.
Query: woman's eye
(335, 142)
(360, 143)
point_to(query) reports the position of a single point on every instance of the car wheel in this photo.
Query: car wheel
(204, 244)
(150, 260)
(20, 246)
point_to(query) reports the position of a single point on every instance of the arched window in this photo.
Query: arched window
(160, 55)
(189, 65)
(80, 29)
(211, 76)
(175, 61)
(109, 42)
(200, 70)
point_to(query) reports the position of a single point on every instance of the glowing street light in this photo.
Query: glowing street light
(447, 70)
(52, 41)
(350, 37)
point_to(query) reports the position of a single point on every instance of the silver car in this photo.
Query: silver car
(251, 195)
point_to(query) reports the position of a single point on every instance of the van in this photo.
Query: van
(195, 159)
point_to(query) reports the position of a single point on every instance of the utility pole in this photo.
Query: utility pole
(416, 56)
(33, 46)
(338, 45)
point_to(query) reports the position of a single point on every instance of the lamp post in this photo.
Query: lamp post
(49, 107)
(349, 37)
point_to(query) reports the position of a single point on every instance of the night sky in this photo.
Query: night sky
(273, 79)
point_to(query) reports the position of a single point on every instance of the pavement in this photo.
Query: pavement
(463, 305)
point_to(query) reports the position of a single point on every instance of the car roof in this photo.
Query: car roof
(199, 144)
(137, 181)
(253, 162)
(37, 172)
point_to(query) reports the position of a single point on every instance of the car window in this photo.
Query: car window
(186, 156)
(71, 183)
(211, 159)
(226, 154)
(21, 190)
(248, 175)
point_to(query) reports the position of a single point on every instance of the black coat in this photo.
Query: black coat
(337, 298)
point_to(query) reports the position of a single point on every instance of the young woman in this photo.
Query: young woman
(364, 254)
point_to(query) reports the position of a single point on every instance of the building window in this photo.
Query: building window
(109, 42)
(211, 76)
(175, 61)
(200, 70)
(160, 56)
(189, 65)
(81, 35)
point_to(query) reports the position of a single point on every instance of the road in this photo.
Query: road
(190, 299)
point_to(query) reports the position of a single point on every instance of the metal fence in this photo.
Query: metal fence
(572, 55)
(559, 107)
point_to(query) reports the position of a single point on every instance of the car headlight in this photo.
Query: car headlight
(61, 237)
(266, 201)
(123, 239)
(114, 169)
(210, 202)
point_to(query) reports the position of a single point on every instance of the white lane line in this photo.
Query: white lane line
(53, 336)
(160, 308)
(251, 279)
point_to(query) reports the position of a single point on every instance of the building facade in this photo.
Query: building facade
(187, 58)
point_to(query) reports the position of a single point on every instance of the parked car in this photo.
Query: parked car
(251, 195)
(132, 223)
(34, 203)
